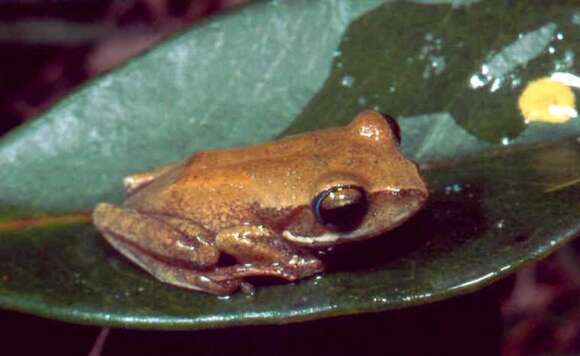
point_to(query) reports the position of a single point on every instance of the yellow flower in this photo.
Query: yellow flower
(547, 100)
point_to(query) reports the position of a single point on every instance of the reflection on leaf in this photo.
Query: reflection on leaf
(446, 65)
(563, 185)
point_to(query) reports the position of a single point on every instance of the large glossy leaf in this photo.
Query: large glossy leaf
(290, 67)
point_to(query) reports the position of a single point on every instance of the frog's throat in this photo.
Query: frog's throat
(326, 239)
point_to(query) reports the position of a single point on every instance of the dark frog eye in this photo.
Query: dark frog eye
(393, 125)
(341, 208)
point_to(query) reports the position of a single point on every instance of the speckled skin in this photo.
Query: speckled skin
(255, 203)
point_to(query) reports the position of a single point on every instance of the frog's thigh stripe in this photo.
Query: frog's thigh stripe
(164, 236)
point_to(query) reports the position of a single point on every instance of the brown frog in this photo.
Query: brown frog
(268, 205)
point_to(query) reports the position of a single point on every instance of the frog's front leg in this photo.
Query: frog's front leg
(261, 252)
(175, 251)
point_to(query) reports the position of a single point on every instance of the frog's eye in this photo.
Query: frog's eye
(341, 208)
(394, 125)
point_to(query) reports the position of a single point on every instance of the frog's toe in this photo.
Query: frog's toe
(174, 275)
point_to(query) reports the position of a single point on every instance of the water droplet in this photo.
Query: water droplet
(551, 50)
(566, 79)
(485, 69)
(500, 224)
(516, 81)
(576, 18)
(205, 279)
(559, 36)
(505, 141)
(453, 188)
(476, 82)
(495, 85)
(347, 81)
(362, 101)
(566, 62)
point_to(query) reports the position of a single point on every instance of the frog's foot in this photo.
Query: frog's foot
(177, 276)
(262, 253)
(284, 271)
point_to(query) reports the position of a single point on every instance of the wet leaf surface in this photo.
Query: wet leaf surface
(492, 210)
(440, 62)
(482, 222)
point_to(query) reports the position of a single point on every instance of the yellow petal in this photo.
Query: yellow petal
(547, 100)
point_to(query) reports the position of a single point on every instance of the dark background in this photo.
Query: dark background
(49, 47)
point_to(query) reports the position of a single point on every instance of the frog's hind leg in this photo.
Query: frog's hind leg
(173, 275)
(175, 251)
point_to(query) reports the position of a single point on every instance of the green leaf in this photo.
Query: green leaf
(411, 60)
(504, 194)
(229, 82)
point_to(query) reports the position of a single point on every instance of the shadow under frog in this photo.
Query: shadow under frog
(446, 221)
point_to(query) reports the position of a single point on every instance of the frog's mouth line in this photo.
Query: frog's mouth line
(325, 239)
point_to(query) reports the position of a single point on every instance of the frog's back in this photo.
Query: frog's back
(287, 146)
(226, 188)
(222, 188)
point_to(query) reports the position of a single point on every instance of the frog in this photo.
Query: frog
(224, 216)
